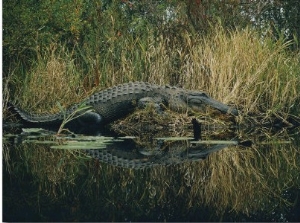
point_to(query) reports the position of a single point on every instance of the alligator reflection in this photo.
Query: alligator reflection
(258, 183)
(129, 154)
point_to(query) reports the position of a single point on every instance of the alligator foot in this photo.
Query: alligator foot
(152, 101)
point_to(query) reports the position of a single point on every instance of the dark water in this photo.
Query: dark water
(251, 176)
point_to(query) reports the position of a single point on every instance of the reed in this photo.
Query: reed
(239, 68)
(53, 79)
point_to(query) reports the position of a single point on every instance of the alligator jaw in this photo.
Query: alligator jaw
(201, 100)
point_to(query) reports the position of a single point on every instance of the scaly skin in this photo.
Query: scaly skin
(118, 101)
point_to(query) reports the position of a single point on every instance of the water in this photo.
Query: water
(252, 176)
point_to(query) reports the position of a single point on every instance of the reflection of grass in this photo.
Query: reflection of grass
(242, 180)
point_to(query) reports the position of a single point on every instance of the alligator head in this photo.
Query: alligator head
(198, 100)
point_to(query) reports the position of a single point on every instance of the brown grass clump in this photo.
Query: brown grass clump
(54, 78)
(241, 68)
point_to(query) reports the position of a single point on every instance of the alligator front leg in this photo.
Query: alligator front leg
(154, 101)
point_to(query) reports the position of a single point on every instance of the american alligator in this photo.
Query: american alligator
(118, 101)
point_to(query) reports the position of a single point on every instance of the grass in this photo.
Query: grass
(52, 78)
(239, 68)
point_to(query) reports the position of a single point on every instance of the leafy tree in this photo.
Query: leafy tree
(30, 25)
(283, 16)
(92, 27)
(279, 18)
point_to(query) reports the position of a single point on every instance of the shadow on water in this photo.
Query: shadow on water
(103, 178)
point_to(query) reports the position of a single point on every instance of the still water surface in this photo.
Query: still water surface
(245, 177)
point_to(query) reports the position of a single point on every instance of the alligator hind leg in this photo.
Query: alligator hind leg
(89, 118)
(90, 123)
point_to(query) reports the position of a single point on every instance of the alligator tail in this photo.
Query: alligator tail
(35, 118)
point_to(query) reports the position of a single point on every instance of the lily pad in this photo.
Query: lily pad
(127, 137)
(36, 131)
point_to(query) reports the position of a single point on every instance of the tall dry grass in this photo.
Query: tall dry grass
(239, 68)
(53, 78)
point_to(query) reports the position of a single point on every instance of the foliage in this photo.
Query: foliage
(102, 43)
(282, 16)
(30, 26)
(206, 14)
(94, 26)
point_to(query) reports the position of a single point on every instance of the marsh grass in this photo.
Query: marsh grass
(242, 69)
(53, 78)
(238, 68)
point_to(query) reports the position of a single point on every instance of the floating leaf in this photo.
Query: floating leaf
(78, 147)
(224, 142)
(127, 137)
(175, 138)
(33, 130)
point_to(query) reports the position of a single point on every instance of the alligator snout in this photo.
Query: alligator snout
(202, 99)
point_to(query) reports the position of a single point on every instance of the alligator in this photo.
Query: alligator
(116, 102)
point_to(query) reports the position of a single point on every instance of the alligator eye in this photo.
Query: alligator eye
(203, 94)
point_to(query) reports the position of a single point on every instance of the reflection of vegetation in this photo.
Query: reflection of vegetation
(242, 180)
